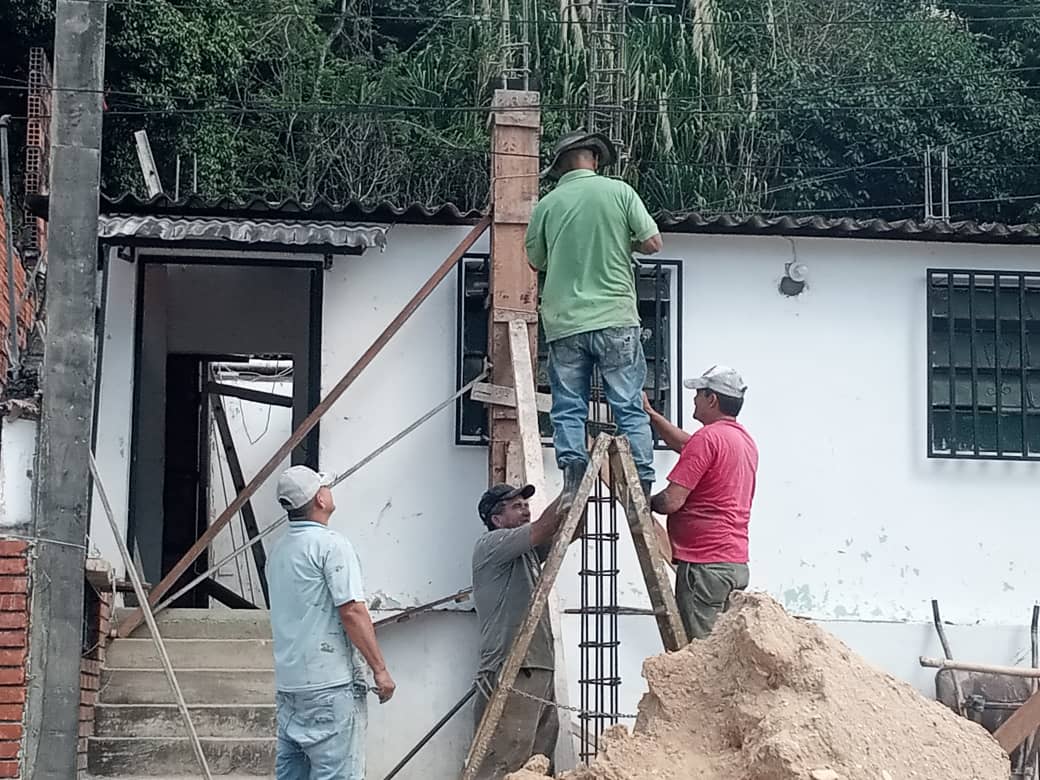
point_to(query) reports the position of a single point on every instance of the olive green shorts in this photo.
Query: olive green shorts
(703, 591)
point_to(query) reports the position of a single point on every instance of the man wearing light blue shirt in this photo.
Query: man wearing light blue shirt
(321, 629)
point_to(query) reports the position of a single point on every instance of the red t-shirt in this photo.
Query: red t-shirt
(718, 465)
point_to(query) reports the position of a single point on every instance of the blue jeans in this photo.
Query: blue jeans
(618, 352)
(321, 734)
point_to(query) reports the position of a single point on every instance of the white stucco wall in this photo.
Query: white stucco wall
(258, 430)
(17, 468)
(115, 405)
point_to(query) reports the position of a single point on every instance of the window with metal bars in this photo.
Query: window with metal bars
(660, 310)
(984, 365)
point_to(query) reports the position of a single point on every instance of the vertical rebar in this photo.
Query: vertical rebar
(12, 294)
(928, 214)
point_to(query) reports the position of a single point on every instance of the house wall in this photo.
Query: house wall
(853, 526)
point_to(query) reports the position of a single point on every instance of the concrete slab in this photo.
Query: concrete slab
(192, 654)
(199, 686)
(114, 757)
(206, 624)
(160, 720)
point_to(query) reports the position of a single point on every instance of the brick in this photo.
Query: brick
(10, 731)
(90, 667)
(13, 566)
(82, 745)
(9, 584)
(81, 762)
(12, 602)
(13, 547)
(13, 619)
(86, 713)
(86, 728)
(9, 769)
(12, 694)
(86, 682)
(15, 657)
(88, 698)
(10, 748)
(11, 713)
(14, 638)
(12, 676)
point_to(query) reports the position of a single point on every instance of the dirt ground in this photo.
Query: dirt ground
(771, 697)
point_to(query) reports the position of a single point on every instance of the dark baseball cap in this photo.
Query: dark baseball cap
(498, 493)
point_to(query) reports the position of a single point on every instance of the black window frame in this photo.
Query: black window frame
(1000, 313)
(468, 357)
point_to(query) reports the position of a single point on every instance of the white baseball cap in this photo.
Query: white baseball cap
(719, 379)
(299, 484)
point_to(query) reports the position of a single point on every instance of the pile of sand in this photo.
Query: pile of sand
(769, 697)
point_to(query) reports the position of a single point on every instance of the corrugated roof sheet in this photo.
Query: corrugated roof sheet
(197, 205)
(246, 231)
(687, 222)
(849, 227)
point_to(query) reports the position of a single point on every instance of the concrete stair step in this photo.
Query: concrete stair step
(206, 624)
(161, 720)
(192, 653)
(199, 686)
(151, 757)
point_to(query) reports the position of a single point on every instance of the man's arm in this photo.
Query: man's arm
(534, 242)
(548, 523)
(674, 436)
(651, 246)
(358, 625)
(670, 499)
(342, 572)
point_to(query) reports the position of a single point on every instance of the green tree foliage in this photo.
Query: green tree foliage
(734, 105)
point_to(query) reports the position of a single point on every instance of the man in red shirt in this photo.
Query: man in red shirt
(708, 498)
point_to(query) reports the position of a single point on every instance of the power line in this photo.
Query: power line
(938, 18)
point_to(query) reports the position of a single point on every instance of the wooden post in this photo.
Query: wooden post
(533, 473)
(514, 284)
(648, 551)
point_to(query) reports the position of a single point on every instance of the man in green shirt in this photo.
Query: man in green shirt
(582, 235)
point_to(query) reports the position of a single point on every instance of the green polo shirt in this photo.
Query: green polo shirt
(581, 236)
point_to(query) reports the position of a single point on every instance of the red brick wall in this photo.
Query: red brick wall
(90, 669)
(26, 312)
(14, 644)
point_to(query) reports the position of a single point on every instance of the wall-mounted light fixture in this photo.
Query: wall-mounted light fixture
(794, 279)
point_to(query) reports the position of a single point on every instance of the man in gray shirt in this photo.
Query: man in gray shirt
(506, 565)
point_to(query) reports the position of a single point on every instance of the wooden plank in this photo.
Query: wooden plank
(1023, 722)
(134, 619)
(246, 394)
(1010, 671)
(648, 551)
(500, 395)
(533, 467)
(518, 650)
(239, 481)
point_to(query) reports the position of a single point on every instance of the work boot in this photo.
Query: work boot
(572, 475)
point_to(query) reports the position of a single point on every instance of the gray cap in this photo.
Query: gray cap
(579, 139)
(300, 484)
(719, 379)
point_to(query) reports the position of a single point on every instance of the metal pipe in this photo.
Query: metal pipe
(12, 297)
(958, 690)
(1010, 671)
(1034, 662)
(430, 734)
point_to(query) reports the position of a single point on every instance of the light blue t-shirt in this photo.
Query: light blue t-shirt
(312, 571)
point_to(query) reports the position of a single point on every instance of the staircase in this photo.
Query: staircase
(225, 670)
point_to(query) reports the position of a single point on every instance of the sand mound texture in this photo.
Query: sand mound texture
(770, 697)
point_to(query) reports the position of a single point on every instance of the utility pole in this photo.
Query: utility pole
(62, 499)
